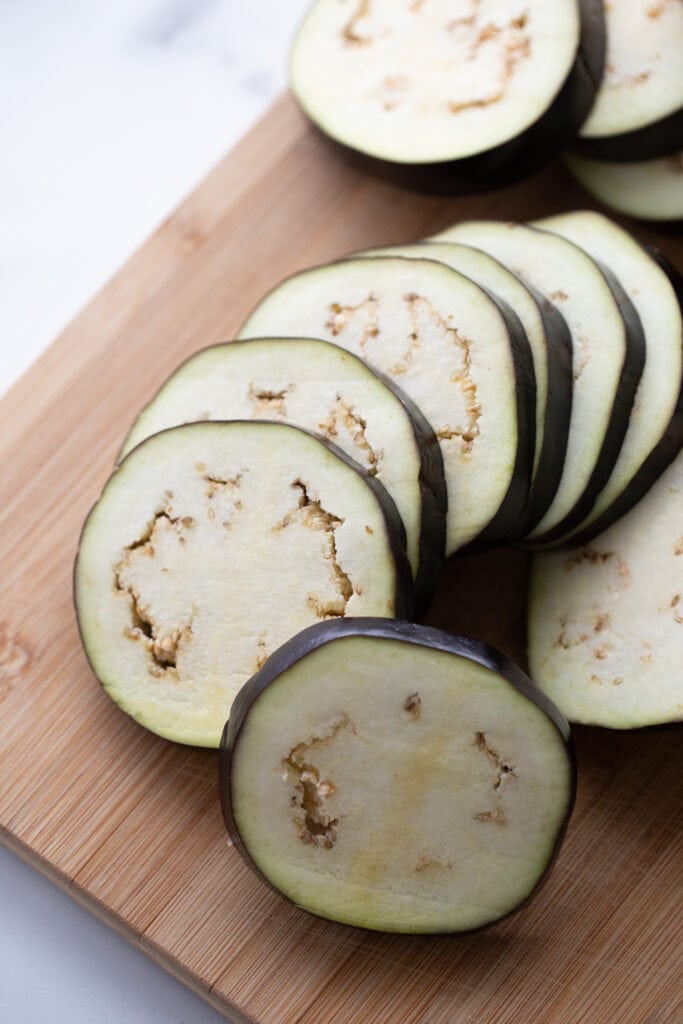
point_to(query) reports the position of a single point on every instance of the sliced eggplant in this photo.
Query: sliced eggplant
(323, 388)
(638, 111)
(450, 348)
(608, 348)
(443, 96)
(649, 189)
(655, 430)
(396, 777)
(211, 544)
(606, 620)
(551, 350)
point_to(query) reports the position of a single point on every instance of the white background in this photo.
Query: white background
(110, 112)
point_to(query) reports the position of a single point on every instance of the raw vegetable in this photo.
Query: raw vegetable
(396, 777)
(443, 96)
(648, 189)
(606, 620)
(321, 387)
(452, 350)
(213, 543)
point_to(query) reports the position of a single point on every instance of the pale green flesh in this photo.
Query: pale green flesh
(651, 189)
(211, 545)
(311, 384)
(606, 620)
(439, 789)
(443, 341)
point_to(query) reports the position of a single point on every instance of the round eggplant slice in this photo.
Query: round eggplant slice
(213, 543)
(400, 779)
(551, 351)
(325, 389)
(606, 620)
(649, 189)
(638, 111)
(655, 430)
(608, 354)
(448, 96)
(450, 348)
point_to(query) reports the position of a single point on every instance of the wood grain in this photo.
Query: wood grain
(130, 824)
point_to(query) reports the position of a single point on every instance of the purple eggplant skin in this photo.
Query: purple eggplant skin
(661, 456)
(321, 633)
(649, 143)
(634, 362)
(520, 156)
(504, 526)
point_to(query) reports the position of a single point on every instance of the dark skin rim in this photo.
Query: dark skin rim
(317, 636)
(649, 143)
(520, 156)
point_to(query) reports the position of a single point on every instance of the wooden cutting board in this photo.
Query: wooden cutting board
(130, 824)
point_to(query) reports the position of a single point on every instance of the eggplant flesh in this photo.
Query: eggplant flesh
(655, 430)
(442, 100)
(399, 779)
(450, 348)
(648, 190)
(605, 619)
(211, 544)
(608, 352)
(325, 389)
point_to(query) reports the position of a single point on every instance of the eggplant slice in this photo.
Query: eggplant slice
(655, 431)
(451, 350)
(551, 351)
(396, 777)
(606, 620)
(648, 189)
(327, 390)
(213, 543)
(608, 348)
(444, 96)
(638, 111)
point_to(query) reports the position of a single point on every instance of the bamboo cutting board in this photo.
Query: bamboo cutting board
(130, 824)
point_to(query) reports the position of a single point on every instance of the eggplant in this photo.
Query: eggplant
(451, 350)
(608, 347)
(210, 545)
(551, 350)
(605, 620)
(638, 111)
(319, 386)
(396, 777)
(449, 97)
(655, 431)
(649, 190)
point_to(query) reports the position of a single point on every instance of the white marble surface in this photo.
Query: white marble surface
(110, 112)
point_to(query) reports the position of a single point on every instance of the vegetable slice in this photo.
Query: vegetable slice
(450, 348)
(638, 111)
(606, 620)
(441, 96)
(396, 777)
(210, 545)
(551, 350)
(655, 431)
(648, 189)
(323, 388)
(608, 355)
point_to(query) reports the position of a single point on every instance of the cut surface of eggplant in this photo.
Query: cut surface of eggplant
(638, 111)
(399, 779)
(432, 93)
(449, 347)
(211, 544)
(608, 352)
(655, 431)
(647, 189)
(550, 343)
(606, 620)
(323, 388)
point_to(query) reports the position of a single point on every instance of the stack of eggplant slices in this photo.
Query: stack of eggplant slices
(276, 525)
